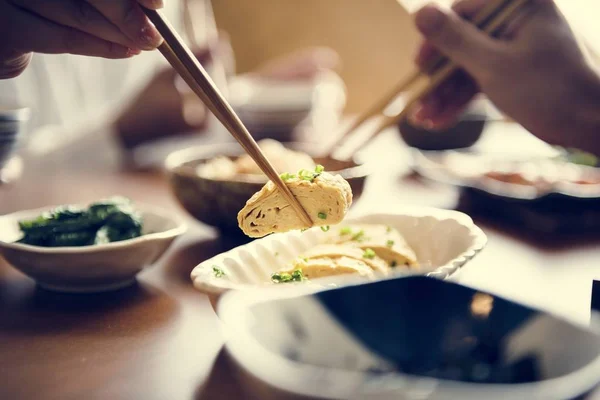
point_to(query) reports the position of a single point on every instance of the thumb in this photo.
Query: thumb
(458, 39)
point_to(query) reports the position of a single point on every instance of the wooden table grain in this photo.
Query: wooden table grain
(160, 339)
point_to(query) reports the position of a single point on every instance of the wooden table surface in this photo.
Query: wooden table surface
(160, 339)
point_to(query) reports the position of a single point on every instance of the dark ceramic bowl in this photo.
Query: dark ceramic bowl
(217, 202)
(408, 338)
(464, 134)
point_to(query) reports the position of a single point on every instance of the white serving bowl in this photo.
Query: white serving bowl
(443, 242)
(94, 268)
(419, 340)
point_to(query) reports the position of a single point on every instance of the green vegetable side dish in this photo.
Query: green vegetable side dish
(106, 221)
(285, 277)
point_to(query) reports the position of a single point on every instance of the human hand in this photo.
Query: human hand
(100, 28)
(535, 73)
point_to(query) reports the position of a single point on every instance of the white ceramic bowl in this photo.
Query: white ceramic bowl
(297, 345)
(443, 242)
(89, 269)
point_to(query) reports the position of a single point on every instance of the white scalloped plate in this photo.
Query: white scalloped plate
(443, 241)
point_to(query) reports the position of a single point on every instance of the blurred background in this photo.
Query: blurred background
(293, 71)
(376, 40)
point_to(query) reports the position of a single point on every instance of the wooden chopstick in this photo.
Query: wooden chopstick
(490, 20)
(183, 61)
(480, 19)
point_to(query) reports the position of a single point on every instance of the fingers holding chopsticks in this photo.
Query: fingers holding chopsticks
(458, 39)
(449, 32)
(536, 73)
(128, 16)
(489, 64)
(100, 28)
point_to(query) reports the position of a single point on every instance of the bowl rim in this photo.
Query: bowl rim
(179, 229)
(243, 347)
(175, 163)
(441, 272)
(422, 159)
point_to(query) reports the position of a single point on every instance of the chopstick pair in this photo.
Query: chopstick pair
(183, 61)
(490, 19)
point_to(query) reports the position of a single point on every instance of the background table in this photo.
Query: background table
(160, 339)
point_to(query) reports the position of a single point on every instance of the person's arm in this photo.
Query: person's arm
(100, 28)
(536, 73)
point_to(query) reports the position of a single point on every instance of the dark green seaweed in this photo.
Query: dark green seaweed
(106, 221)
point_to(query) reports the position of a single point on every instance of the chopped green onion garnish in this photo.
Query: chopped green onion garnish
(359, 236)
(284, 277)
(345, 231)
(325, 228)
(369, 253)
(306, 175)
(219, 273)
(389, 243)
(298, 276)
(287, 176)
(388, 229)
(322, 215)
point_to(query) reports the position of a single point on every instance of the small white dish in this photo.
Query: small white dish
(89, 269)
(443, 241)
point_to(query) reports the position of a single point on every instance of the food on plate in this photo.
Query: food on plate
(220, 167)
(332, 251)
(287, 277)
(363, 249)
(576, 156)
(325, 197)
(514, 178)
(319, 267)
(281, 158)
(386, 242)
(103, 222)
(589, 181)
